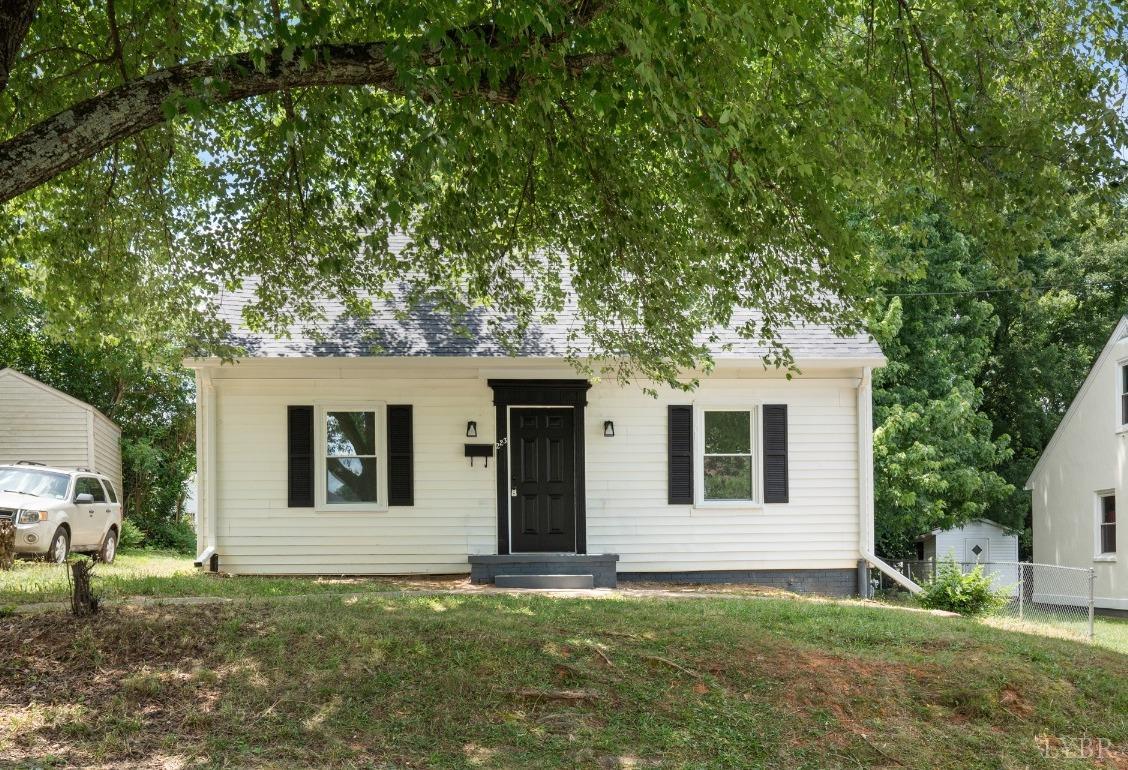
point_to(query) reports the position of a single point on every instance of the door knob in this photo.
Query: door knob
(513, 492)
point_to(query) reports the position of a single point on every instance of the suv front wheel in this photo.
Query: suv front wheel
(60, 547)
(109, 548)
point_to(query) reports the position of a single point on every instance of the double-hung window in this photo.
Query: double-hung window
(351, 459)
(1106, 525)
(1124, 394)
(728, 470)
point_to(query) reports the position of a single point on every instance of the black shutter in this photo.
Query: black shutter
(775, 453)
(681, 455)
(299, 479)
(401, 475)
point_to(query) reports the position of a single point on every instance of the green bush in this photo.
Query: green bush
(179, 536)
(131, 535)
(955, 591)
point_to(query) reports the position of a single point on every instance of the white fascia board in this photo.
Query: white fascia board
(501, 362)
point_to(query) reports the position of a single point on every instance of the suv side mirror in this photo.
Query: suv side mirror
(84, 498)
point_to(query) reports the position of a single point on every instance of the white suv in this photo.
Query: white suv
(57, 510)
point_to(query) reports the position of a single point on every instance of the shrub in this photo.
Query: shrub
(180, 536)
(955, 591)
(131, 535)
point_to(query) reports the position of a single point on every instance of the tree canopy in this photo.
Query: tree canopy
(681, 158)
(983, 363)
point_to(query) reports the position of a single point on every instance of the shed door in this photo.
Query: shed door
(977, 550)
(543, 470)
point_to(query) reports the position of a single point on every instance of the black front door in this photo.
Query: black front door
(543, 478)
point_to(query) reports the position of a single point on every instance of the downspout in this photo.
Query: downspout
(867, 557)
(205, 467)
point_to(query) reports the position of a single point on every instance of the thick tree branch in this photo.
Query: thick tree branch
(15, 18)
(62, 141)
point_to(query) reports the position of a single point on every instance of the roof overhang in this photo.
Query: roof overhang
(486, 362)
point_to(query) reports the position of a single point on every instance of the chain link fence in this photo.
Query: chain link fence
(1042, 594)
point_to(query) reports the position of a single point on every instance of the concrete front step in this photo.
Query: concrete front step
(544, 581)
(600, 567)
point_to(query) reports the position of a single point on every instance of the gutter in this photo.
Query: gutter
(205, 464)
(866, 553)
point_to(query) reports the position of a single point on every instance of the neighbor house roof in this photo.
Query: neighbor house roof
(12, 374)
(396, 329)
(1118, 333)
(988, 522)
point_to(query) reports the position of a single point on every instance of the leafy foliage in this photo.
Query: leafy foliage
(152, 402)
(935, 454)
(970, 593)
(680, 158)
(131, 535)
(983, 363)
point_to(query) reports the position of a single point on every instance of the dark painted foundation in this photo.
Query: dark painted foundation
(484, 568)
(829, 582)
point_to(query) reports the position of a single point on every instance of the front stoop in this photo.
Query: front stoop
(546, 582)
(601, 567)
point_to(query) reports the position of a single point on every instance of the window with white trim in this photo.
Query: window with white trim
(1124, 394)
(728, 449)
(1106, 525)
(350, 460)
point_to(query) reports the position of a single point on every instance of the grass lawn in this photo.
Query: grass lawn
(165, 573)
(535, 681)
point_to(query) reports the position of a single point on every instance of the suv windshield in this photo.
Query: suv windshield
(38, 483)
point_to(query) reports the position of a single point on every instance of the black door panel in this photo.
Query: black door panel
(543, 478)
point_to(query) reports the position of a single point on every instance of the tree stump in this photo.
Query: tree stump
(7, 545)
(83, 600)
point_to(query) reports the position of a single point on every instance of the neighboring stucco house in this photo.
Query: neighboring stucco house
(979, 541)
(1081, 480)
(41, 424)
(439, 453)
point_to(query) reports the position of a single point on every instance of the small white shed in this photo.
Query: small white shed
(980, 541)
(41, 424)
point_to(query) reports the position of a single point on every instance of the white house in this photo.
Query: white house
(41, 424)
(979, 541)
(1081, 479)
(435, 453)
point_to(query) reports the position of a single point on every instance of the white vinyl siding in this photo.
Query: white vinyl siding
(43, 425)
(627, 511)
(1088, 455)
(455, 502)
(107, 450)
(453, 515)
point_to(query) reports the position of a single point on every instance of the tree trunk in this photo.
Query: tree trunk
(83, 600)
(7, 545)
(15, 19)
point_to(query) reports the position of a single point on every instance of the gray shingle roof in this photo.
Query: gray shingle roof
(393, 330)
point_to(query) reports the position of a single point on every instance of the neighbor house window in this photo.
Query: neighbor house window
(728, 472)
(1124, 394)
(351, 466)
(1106, 525)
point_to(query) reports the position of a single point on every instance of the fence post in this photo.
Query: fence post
(1021, 588)
(1092, 580)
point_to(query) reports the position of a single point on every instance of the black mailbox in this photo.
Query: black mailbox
(479, 450)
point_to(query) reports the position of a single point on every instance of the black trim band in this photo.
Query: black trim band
(539, 393)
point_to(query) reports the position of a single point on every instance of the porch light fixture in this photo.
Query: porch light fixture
(471, 429)
(608, 428)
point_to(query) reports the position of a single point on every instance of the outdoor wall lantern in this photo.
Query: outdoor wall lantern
(608, 428)
(471, 429)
